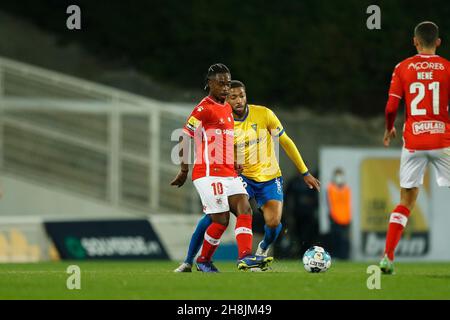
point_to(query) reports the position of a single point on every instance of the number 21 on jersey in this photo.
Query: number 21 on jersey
(419, 88)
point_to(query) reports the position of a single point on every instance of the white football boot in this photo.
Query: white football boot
(261, 252)
(184, 267)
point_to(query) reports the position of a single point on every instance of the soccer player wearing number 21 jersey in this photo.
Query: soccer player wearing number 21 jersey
(423, 81)
(211, 125)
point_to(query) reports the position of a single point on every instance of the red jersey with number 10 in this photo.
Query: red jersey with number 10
(211, 124)
(424, 82)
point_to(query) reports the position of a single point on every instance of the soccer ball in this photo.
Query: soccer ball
(316, 259)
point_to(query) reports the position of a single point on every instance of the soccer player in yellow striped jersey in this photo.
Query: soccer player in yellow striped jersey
(257, 129)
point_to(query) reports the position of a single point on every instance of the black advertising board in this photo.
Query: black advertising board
(106, 239)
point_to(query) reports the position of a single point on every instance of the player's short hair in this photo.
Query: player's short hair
(237, 84)
(427, 32)
(215, 69)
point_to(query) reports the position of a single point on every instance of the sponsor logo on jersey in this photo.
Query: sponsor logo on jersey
(428, 127)
(225, 131)
(248, 143)
(425, 65)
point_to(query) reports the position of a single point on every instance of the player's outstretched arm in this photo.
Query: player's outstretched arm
(293, 154)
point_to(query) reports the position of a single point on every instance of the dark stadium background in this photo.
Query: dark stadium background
(314, 54)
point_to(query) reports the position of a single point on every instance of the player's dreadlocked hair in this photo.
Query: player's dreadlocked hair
(215, 69)
(427, 32)
(237, 84)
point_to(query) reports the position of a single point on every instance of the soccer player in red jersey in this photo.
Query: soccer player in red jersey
(423, 81)
(211, 125)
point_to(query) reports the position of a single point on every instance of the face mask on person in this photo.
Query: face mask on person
(339, 179)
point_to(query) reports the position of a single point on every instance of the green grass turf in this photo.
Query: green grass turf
(155, 280)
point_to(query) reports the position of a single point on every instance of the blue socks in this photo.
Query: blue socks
(270, 235)
(197, 238)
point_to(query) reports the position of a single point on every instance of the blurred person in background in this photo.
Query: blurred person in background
(301, 215)
(340, 213)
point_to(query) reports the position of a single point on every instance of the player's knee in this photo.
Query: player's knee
(226, 221)
(408, 197)
(223, 218)
(273, 222)
(246, 209)
(223, 221)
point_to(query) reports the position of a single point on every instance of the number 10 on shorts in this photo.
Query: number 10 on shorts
(217, 188)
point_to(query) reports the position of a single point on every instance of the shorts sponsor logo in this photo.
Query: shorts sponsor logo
(428, 127)
(279, 188)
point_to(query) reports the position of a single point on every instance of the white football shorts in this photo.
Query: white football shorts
(214, 192)
(413, 164)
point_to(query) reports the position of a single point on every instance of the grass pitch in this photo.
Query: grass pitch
(155, 280)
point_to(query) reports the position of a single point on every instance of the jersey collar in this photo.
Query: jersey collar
(245, 117)
(425, 55)
(215, 102)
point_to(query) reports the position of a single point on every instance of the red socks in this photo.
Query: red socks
(397, 222)
(211, 241)
(244, 234)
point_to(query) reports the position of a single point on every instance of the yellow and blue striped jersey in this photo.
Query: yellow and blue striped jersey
(254, 144)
